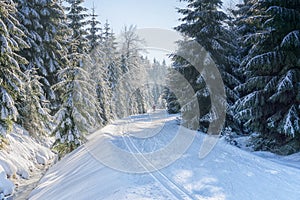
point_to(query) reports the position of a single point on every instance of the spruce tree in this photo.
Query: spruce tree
(43, 24)
(244, 27)
(94, 31)
(79, 112)
(34, 115)
(197, 108)
(271, 102)
(77, 20)
(205, 22)
(106, 72)
(172, 104)
(12, 78)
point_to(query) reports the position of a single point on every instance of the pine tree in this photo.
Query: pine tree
(244, 27)
(77, 20)
(271, 101)
(196, 107)
(107, 72)
(43, 24)
(12, 78)
(173, 106)
(79, 113)
(34, 115)
(99, 75)
(205, 22)
(94, 31)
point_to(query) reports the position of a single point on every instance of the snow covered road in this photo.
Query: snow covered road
(104, 169)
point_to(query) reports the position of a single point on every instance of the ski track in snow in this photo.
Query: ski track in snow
(163, 179)
(227, 173)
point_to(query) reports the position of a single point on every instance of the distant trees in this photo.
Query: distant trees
(94, 31)
(128, 91)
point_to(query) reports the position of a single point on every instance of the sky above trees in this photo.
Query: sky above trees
(143, 13)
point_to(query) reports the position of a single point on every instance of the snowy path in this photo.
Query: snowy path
(97, 170)
(160, 177)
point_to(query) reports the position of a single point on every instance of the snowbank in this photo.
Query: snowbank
(6, 186)
(21, 160)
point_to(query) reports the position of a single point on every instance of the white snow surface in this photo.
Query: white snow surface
(21, 162)
(227, 173)
(6, 186)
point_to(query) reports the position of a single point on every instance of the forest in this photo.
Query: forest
(63, 74)
(256, 50)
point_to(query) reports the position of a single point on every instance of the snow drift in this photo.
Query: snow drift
(22, 161)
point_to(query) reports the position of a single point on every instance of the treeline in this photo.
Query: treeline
(62, 72)
(256, 48)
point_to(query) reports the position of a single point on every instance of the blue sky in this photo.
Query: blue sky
(143, 13)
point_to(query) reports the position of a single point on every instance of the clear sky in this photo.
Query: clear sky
(143, 13)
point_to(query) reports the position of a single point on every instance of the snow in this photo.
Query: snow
(291, 39)
(6, 186)
(291, 160)
(291, 122)
(22, 161)
(99, 170)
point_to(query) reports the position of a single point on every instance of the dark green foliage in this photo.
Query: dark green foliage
(43, 24)
(173, 106)
(79, 112)
(205, 23)
(77, 20)
(11, 76)
(94, 31)
(270, 103)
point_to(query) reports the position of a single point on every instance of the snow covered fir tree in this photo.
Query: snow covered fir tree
(12, 78)
(205, 23)
(42, 22)
(256, 49)
(270, 93)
